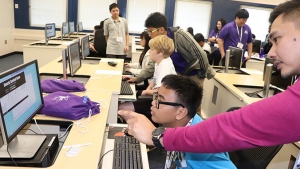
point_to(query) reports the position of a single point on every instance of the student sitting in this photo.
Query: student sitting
(160, 49)
(175, 105)
(135, 68)
(200, 40)
(98, 47)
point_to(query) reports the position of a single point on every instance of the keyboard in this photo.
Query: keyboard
(127, 153)
(125, 88)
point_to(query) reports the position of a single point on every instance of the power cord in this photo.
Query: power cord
(37, 126)
(31, 130)
(104, 155)
(11, 156)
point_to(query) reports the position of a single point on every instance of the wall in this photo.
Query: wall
(6, 26)
(221, 9)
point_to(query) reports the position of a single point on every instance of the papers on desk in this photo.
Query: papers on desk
(108, 72)
(109, 60)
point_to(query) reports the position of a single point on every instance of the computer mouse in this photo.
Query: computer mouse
(112, 63)
(125, 79)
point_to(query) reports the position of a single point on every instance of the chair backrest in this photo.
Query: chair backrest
(257, 158)
(100, 42)
(190, 66)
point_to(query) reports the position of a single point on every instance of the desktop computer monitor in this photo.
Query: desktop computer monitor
(85, 49)
(50, 30)
(71, 27)
(256, 46)
(65, 29)
(74, 58)
(276, 78)
(236, 55)
(20, 100)
(79, 27)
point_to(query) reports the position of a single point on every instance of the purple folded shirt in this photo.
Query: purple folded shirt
(55, 85)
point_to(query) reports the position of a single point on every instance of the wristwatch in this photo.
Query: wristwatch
(156, 135)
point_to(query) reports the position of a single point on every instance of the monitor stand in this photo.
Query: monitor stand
(23, 146)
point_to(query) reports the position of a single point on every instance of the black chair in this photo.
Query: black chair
(254, 158)
(100, 43)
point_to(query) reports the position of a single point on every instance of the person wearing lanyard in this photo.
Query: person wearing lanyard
(174, 105)
(215, 57)
(236, 34)
(116, 34)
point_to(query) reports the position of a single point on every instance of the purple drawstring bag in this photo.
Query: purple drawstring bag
(69, 106)
(55, 85)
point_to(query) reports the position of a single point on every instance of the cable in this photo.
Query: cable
(11, 156)
(31, 130)
(37, 125)
(104, 155)
(61, 136)
(254, 93)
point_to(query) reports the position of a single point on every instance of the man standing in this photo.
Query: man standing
(116, 34)
(236, 34)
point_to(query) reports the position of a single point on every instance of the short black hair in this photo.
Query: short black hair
(242, 13)
(290, 10)
(112, 6)
(199, 37)
(191, 31)
(97, 27)
(223, 22)
(188, 92)
(156, 20)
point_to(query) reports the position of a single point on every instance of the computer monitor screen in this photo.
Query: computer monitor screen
(276, 78)
(236, 55)
(74, 58)
(71, 27)
(256, 46)
(65, 28)
(20, 99)
(85, 49)
(50, 30)
(79, 27)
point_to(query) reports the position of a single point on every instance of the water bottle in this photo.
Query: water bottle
(261, 55)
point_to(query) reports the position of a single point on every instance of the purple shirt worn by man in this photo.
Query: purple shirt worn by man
(178, 60)
(231, 35)
(268, 122)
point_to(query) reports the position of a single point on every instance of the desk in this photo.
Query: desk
(256, 63)
(221, 94)
(103, 78)
(89, 156)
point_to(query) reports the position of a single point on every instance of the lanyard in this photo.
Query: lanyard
(240, 36)
(217, 34)
(115, 25)
(172, 156)
(296, 77)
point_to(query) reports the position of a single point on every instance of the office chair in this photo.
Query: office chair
(257, 158)
(100, 43)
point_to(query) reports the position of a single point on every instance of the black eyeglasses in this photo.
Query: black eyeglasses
(155, 98)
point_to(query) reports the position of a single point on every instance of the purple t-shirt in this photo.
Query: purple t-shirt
(178, 60)
(231, 35)
(215, 34)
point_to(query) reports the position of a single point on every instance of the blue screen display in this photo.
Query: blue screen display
(20, 97)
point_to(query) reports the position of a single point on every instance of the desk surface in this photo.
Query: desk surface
(89, 155)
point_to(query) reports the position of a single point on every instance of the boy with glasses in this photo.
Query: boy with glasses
(174, 105)
(161, 47)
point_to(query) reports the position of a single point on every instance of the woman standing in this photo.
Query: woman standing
(215, 57)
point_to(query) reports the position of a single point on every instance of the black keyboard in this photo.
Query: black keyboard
(127, 153)
(125, 88)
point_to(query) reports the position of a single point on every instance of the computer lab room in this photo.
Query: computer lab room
(63, 80)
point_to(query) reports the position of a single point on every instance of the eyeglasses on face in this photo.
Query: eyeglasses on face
(157, 102)
(151, 32)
